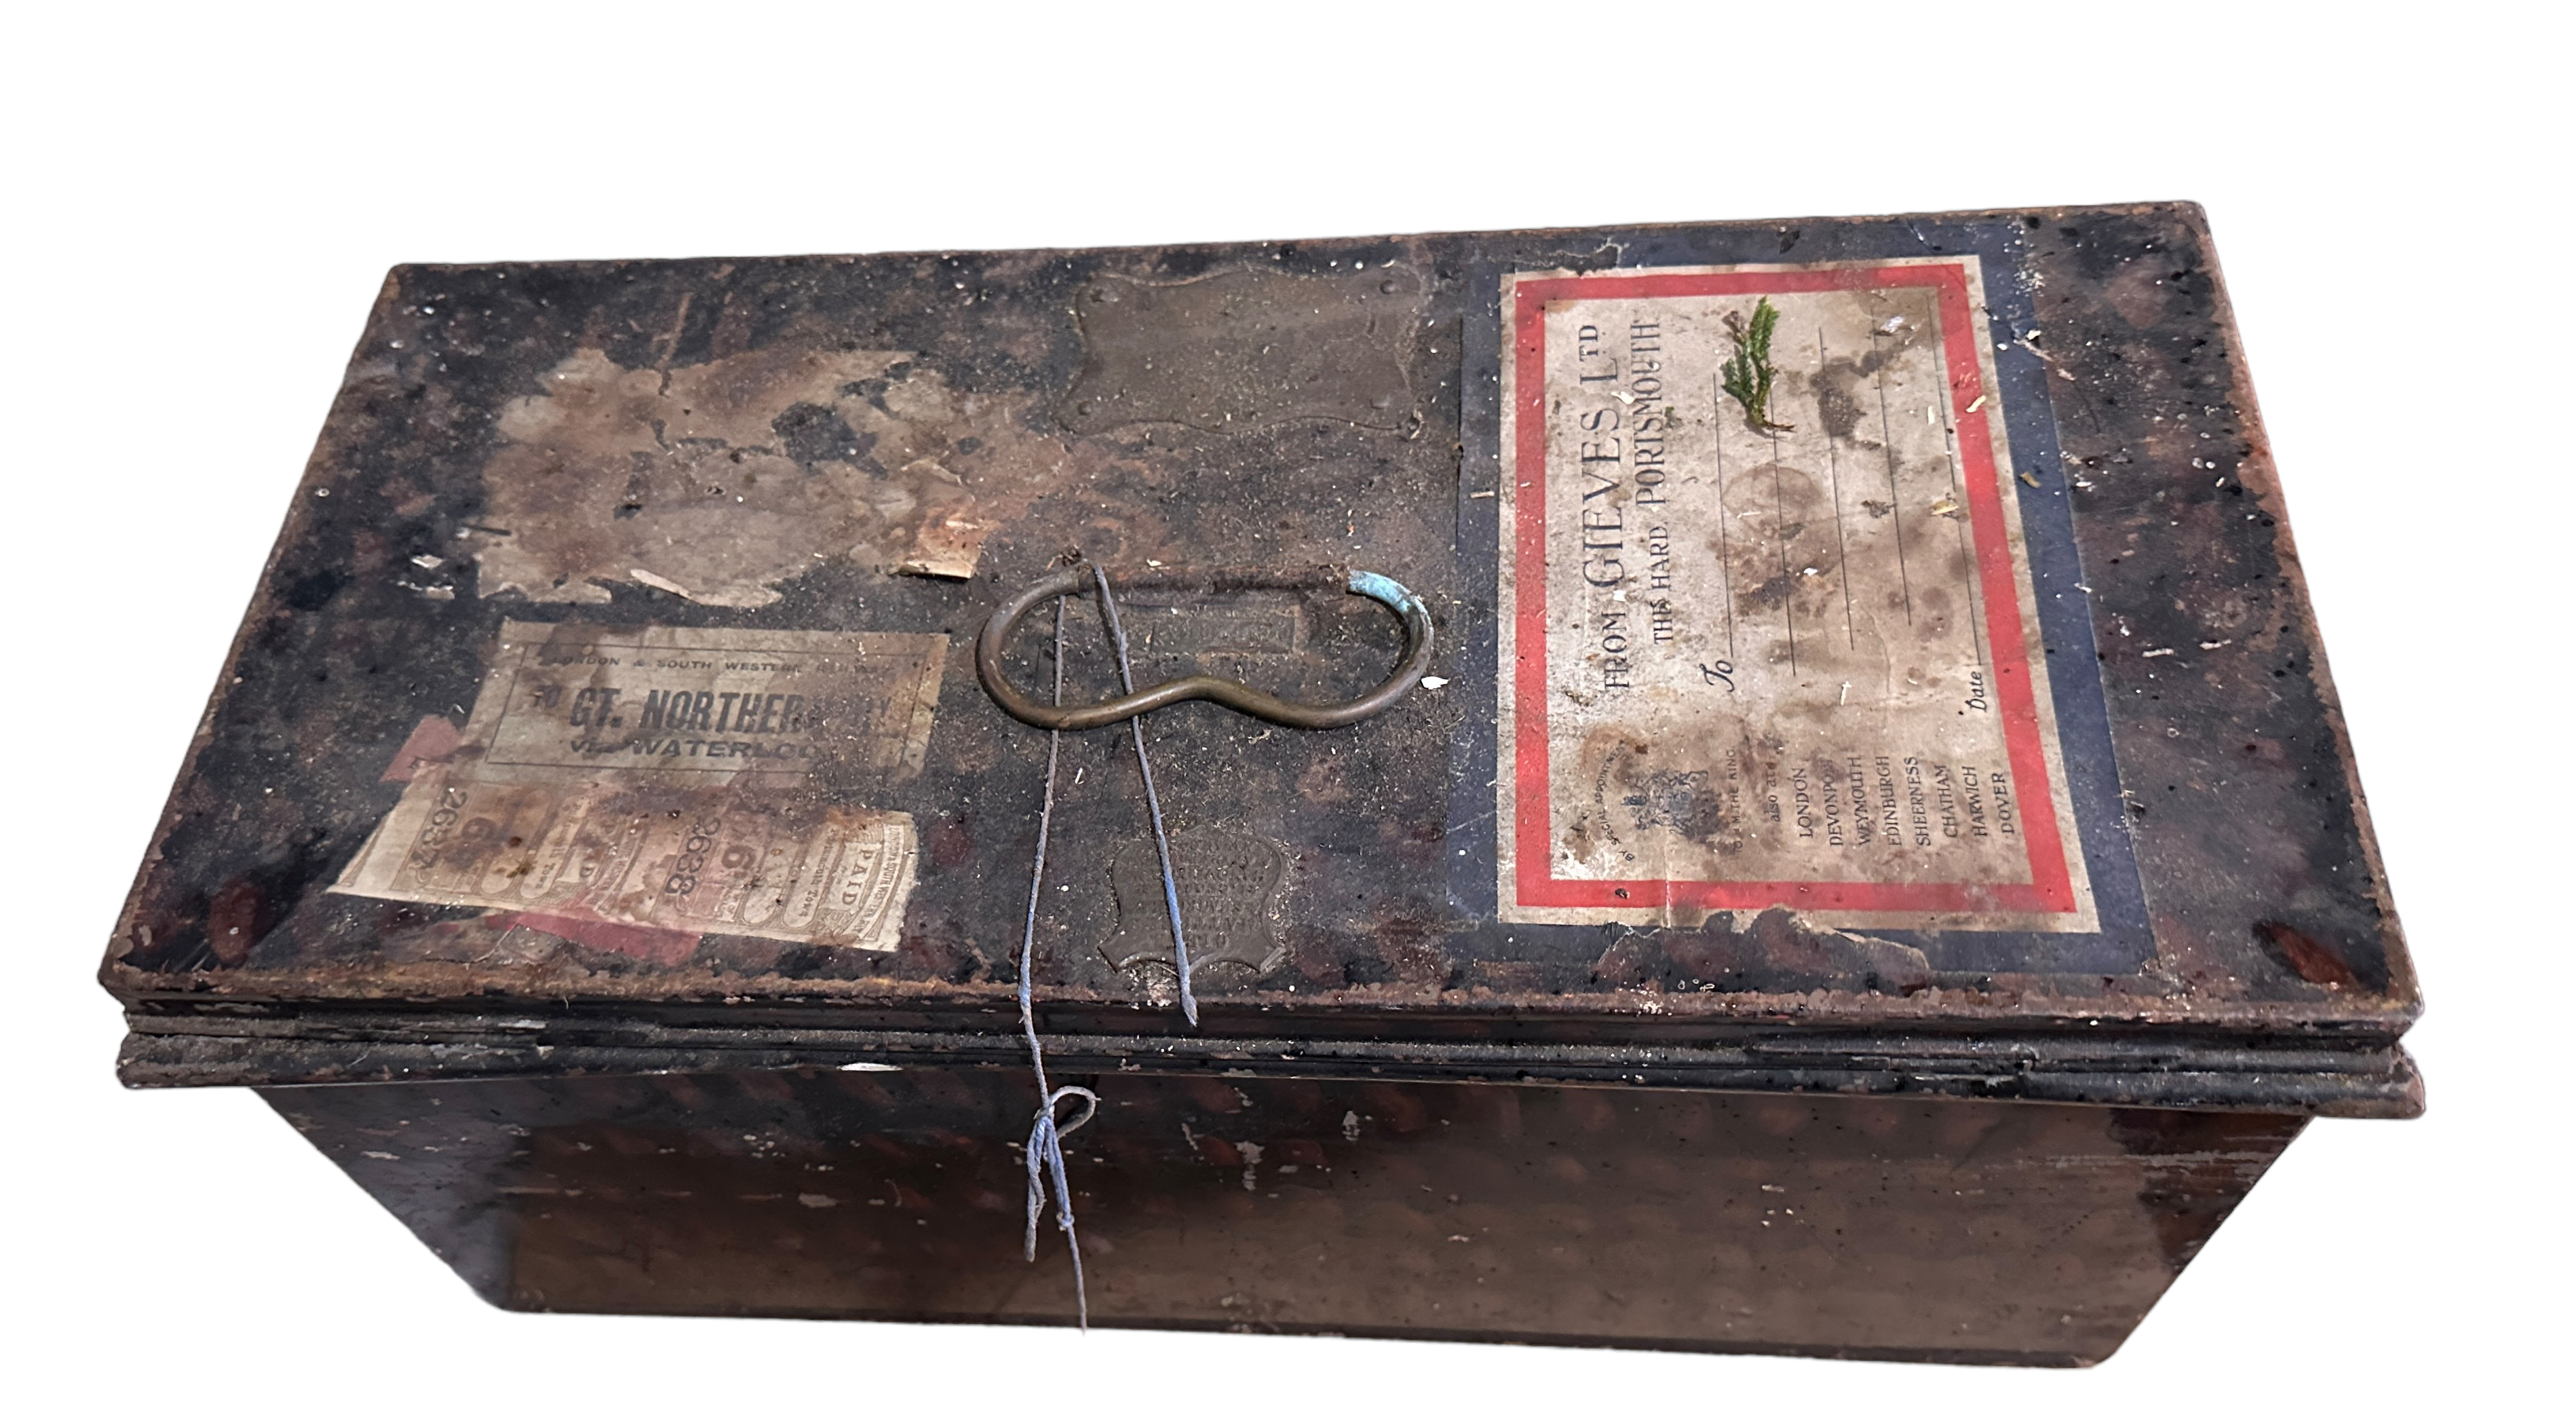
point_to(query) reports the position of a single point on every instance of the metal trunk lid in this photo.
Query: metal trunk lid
(1868, 655)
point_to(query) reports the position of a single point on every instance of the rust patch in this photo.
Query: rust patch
(659, 945)
(433, 740)
(2314, 960)
(234, 921)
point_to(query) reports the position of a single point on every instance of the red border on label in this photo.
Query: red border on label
(2049, 888)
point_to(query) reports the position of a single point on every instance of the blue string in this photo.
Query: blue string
(1046, 1137)
(1153, 804)
(1046, 1151)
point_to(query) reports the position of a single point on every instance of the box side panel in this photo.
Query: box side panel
(1716, 1222)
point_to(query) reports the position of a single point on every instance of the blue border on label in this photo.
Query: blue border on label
(2125, 942)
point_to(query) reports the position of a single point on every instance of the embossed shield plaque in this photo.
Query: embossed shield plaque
(1232, 887)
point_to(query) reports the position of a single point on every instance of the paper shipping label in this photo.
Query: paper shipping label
(1768, 633)
(675, 778)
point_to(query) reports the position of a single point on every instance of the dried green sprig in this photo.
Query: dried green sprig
(1747, 375)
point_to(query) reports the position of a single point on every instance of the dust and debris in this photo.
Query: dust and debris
(1247, 348)
(1251, 1163)
(1946, 506)
(1351, 1126)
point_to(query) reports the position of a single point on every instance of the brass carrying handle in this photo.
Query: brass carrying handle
(1242, 698)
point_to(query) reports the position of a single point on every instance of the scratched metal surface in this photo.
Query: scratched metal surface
(1273, 405)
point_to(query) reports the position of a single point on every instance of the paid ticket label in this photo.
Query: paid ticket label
(702, 859)
(1769, 637)
(692, 780)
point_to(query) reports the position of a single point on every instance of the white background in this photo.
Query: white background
(198, 205)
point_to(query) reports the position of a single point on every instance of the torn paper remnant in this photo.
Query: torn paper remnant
(717, 482)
